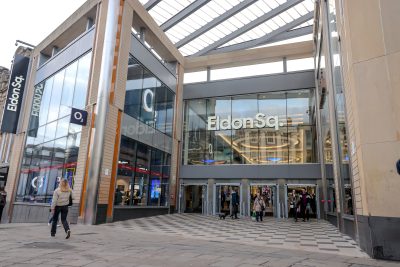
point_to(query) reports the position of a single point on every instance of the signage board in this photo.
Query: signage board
(260, 121)
(78, 116)
(16, 86)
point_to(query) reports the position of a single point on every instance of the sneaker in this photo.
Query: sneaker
(53, 235)
(68, 234)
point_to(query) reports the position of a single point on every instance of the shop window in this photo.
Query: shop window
(143, 175)
(270, 128)
(148, 99)
(51, 149)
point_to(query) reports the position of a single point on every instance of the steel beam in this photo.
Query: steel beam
(291, 34)
(187, 11)
(265, 38)
(218, 20)
(269, 15)
(150, 4)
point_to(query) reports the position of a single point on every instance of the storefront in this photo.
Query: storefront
(262, 139)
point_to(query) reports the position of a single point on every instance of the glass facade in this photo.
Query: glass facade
(52, 145)
(336, 66)
(143, 175)
(148, 99)
(144, 170)
(269, 128)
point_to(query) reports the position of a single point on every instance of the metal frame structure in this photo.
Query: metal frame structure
(183, 23)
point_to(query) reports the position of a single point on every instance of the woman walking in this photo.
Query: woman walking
(259, 207)
(60, 203)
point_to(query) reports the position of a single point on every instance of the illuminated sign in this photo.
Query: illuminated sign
(260, 121)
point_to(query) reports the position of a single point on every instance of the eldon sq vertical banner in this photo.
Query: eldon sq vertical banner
(15, 94)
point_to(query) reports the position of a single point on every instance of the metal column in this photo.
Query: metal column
(96, 148)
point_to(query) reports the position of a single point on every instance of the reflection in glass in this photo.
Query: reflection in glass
(81, 83)
(143, 175)
(55, 101)
(281, 139)
(49, 155)
(301, 144)
(68, 89)
(245, 146)
(147, 99)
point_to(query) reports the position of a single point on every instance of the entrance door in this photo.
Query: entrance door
(194, 198)
(223, 198)
(270, 196)
(294, 191)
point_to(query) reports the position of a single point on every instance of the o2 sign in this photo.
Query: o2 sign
(78, 116)
(148, 97)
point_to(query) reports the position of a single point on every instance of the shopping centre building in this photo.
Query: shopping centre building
(153, 107)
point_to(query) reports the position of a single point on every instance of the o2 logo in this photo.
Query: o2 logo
(78, 116)
(37, 182)
(148, 100)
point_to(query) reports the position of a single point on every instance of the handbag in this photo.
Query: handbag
(70, 199)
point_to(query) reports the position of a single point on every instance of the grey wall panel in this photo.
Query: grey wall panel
(298, 171)
(37, 213)
(139, 51)
(248, 85)
(69, 54)
(145, 134)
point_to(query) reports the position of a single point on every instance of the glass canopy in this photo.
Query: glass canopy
(203, 27)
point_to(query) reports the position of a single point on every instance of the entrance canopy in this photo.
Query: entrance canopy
(204, 27)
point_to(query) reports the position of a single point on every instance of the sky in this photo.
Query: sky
(30, 21)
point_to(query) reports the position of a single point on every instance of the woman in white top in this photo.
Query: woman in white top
(59, 205)
(259, 206)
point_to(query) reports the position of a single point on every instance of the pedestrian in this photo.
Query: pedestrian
(293, 205)
(235, 204)
(304, 203)
(61, 200)
(3, 200)
(259, 207)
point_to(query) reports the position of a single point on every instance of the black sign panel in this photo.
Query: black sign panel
(78, 116)
(15, 94)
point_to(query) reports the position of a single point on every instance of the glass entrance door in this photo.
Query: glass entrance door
(223, 198)
(269, 193)
(194, 199)
(292, 196)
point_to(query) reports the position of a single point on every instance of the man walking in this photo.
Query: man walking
(235, 204)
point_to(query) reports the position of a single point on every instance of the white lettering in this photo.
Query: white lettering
(237, 124)
(211, 123)
(260, 121)
(37, 99)
(14, 98)
(225, 124)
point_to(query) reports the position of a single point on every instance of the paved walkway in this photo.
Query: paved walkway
(167, 241)
(316, 236)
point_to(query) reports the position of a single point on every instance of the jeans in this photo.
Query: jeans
(64, 212)
(234, 211)
(1, 211)
(259, 214)
(305, 213)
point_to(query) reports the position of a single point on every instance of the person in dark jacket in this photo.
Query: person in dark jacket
(304, 203)
(3, 200)
(235, 204)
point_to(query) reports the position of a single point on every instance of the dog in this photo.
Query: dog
(222, 216)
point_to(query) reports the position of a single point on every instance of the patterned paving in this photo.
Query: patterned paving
(318, 236)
